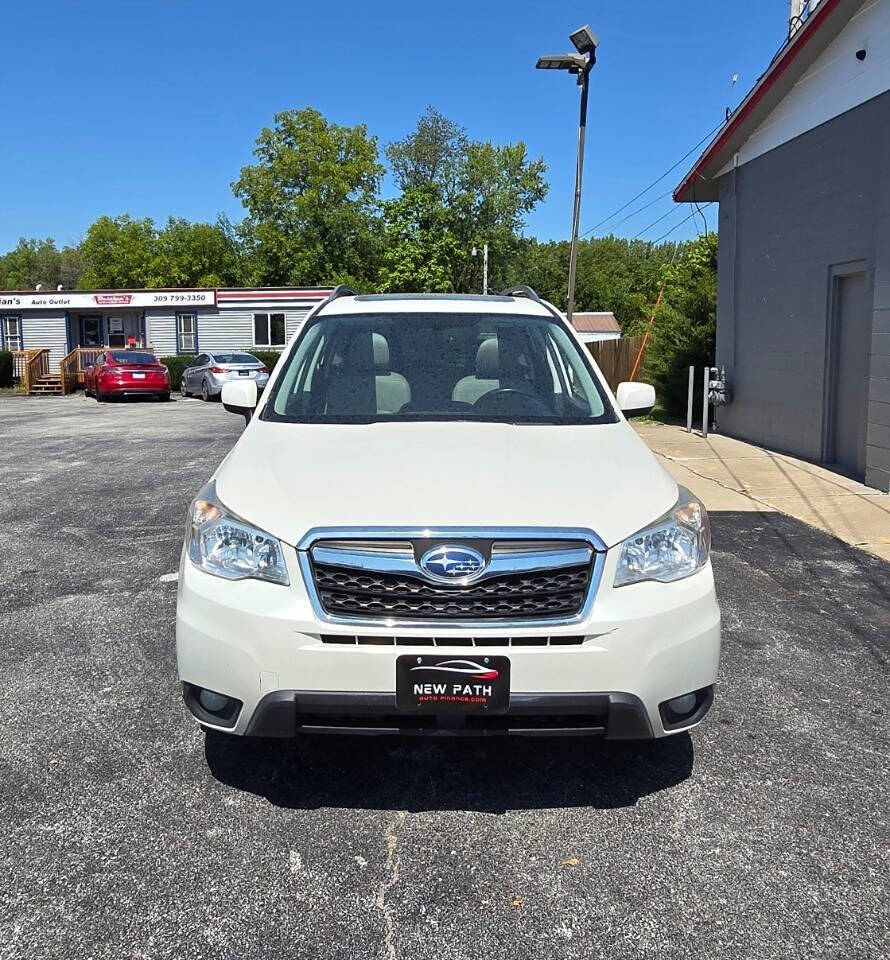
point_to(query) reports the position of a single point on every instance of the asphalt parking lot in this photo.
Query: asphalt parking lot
(764, 834)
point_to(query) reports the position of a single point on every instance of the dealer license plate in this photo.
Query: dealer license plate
(138, 376)
(447, 683)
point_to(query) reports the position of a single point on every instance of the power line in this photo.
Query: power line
(630, 216)
(680, 224)
(670, 169)
(651, 225)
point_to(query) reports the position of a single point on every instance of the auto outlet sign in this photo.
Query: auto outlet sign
(107, 298)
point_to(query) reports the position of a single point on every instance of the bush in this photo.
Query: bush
(685, 326)
(5, 368)
(176, 365)
(268, 357)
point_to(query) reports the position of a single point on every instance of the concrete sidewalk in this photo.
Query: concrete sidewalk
(729, 474)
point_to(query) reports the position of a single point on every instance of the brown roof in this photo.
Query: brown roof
(595, 323)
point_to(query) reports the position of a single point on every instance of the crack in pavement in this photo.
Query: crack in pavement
(393, 863)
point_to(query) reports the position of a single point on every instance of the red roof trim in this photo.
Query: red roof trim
(260, 294)
(807, 32)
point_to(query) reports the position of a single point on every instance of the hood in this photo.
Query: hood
(288, 478)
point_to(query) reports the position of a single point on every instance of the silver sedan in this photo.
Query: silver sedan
(206, 376)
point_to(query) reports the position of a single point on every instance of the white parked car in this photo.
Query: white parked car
(438, 520)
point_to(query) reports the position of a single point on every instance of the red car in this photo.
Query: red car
(126, 373)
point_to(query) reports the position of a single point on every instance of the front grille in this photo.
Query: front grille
(541, 595)
(353, 640)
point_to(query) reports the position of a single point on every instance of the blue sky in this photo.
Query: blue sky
(151, 108)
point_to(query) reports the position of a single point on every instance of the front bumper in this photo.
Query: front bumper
(284, 713)
(260, 643)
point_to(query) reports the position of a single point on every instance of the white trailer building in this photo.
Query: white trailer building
(46, 330)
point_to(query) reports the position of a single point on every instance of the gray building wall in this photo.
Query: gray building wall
(787, 218)
(43, 329)
(219, 328)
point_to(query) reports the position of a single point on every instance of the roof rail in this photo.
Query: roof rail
(521, 290)
(341, 290)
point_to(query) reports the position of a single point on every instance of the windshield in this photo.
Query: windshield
(137, 358)
(397, 367)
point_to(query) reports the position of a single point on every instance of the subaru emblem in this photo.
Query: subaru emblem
(449, 564)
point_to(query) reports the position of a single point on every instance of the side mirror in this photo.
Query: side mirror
(634, 399)
(240, 396)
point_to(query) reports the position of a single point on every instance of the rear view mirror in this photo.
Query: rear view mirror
(634, 399)
(240, 396)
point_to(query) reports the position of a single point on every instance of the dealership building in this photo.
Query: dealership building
(173, 321)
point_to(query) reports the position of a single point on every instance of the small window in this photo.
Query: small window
(268, 329)
(11, 338)
(187, 332)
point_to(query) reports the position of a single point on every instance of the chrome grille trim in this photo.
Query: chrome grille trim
(384, 547)
(386, 561)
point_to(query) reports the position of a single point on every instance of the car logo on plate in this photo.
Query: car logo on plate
(449, 563)
(469, 667)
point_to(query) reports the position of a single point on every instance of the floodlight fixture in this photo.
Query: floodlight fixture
(585, 40)
(572, 62)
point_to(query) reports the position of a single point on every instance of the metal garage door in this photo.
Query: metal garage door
(851, 349)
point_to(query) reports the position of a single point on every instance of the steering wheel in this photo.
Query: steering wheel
(508, 401)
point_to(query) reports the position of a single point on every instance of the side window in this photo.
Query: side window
(294, 394)
(186, 332)
(11, 333)
(268, 330)
(572, 372)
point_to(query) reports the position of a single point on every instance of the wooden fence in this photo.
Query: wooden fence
(616, 358)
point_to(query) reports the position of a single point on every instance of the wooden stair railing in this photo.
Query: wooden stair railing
(69, 371)
(36, 367)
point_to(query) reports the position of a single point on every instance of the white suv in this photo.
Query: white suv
(439, 521)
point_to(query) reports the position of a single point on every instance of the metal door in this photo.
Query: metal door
(852, 356)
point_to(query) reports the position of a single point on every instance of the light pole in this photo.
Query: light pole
(579, 64)
(484, 267)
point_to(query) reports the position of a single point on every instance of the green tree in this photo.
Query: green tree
(431, 155)
(70, 267)
(685, 325)
(195, 255)
(418, 247)
(483, 193)
(118, 252)
(496, 187)
(30, 263)
(311, 201)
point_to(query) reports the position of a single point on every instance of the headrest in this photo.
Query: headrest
(381, 354)
(487, 366)
(367, 353)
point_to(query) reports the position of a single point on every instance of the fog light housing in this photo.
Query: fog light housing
(208, 706)
(681, 706)
(213, 702)
(687, 709)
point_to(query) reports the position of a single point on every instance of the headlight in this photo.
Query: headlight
(226, 546)
(674, 547)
